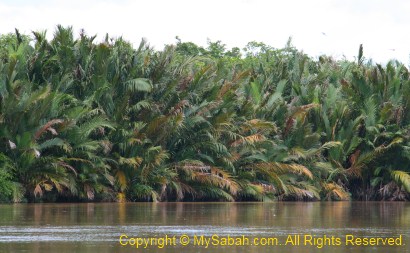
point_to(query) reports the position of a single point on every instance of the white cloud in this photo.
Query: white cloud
(379, 25)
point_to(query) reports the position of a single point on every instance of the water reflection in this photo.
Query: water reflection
(96, 227)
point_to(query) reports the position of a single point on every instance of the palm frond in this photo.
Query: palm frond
(283, 168)
(138, 84)
(402, 178)
(335, 191)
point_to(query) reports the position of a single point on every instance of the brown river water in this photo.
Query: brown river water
(280, 227)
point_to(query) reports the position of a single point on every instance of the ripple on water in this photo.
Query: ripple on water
(111, 233)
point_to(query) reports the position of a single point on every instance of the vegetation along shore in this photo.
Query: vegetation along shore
(82, 120)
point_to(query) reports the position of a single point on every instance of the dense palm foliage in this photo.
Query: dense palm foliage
(81, 120)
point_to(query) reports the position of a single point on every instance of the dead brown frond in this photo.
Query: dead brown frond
(355, 168)
(197, 171)
(284, 168)
(224, 89)
(335, 191)
(48, 127)
(67, 166)
(249, 140)
(89, 190)
(177, 109)
(300, 193)
(301, 111)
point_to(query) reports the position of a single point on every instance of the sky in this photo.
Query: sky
(331, 27)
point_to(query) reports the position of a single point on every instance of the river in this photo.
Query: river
(281, 227)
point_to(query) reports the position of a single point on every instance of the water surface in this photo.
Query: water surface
(97, 227)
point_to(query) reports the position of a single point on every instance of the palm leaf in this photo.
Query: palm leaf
(335, 191)
(283, 168)
(402, 178)
(138, 84)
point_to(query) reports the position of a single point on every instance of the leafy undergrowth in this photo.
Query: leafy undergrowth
(102, 121)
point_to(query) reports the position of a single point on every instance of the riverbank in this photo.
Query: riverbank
(83, 120)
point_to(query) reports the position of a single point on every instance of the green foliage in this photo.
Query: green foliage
(11, 43)
(88, 121)
(6, 186)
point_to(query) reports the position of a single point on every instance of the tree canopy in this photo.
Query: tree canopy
(104, 121)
